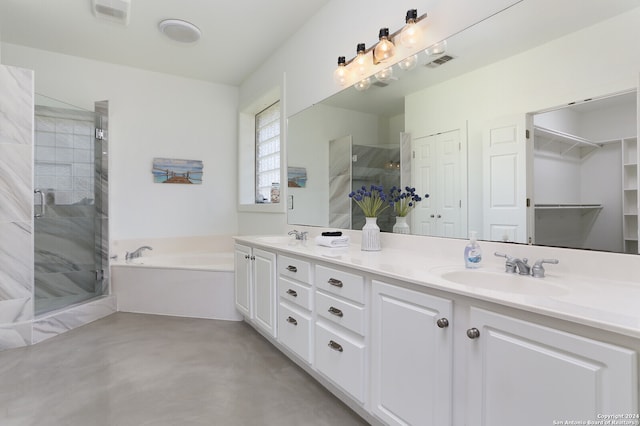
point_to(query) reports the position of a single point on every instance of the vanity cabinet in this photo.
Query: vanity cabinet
(295, 294)
(411, 356)
(523, 373)
(340, 329)
(255, 286)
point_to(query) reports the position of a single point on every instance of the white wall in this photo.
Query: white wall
(151, 115)
(309, 58)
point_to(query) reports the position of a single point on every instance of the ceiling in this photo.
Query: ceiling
(237, 36)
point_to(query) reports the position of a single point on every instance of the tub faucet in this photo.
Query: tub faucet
(136, 253)
(299, 235)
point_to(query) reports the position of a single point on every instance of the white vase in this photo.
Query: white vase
(401, 226)
(370, 235)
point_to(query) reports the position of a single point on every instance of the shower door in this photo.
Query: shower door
(69, 207)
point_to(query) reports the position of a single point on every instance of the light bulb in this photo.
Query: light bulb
(360, 60)
(436, 49)
(409, 63)
(385, 49)
(363, 84)
(411, 35)
(341, 74)
(385, 75)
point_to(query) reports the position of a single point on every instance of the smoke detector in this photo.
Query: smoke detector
(112, 10)
(179, 30)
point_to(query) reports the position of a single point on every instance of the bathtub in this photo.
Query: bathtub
(196, 284)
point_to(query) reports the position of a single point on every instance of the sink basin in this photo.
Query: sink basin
(277, 239)
(505, 282)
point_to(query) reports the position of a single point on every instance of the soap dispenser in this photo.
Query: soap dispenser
(472, 252)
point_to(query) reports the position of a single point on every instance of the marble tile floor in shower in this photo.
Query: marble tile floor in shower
(133, 369)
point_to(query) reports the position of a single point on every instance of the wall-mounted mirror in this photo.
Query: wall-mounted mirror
(473, 127)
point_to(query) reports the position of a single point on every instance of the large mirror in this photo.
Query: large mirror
(524, 130)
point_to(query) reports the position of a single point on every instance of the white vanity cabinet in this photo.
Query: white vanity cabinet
(255, 286)
(523, 373)
(411, 356)
(295, 295)
(340, 349)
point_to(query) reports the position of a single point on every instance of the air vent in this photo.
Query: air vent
(380, 84)
(441, 60)
(112, 10)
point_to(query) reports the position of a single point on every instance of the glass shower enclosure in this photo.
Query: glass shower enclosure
(70, 204)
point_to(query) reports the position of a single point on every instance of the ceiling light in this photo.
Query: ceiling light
(179, 30)
(436, 49)
(363, 85)
(408, 63)
(384, 75)
(112, 10)
(360, 60)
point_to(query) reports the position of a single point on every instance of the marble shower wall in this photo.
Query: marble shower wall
(16, 211)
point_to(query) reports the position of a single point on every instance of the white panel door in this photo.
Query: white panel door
(437, 170)
(524, 374)
(505, 182)
(411, 356)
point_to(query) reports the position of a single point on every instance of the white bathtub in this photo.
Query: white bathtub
(187, 284)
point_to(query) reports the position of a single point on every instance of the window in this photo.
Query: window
(267, 150)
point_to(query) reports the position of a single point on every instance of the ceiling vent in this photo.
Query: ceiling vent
(437, 62)
(112, 10)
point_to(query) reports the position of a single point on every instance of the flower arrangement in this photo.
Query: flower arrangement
(403, 201)
(372, 201)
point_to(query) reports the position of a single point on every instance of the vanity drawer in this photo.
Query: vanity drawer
(344, 284)
(341, 359)
(294, 292)
(294, 268)
(294, 331)
(341, 312)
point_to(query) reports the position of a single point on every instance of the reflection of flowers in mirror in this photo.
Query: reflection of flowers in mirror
(372, 201)
(403, 201)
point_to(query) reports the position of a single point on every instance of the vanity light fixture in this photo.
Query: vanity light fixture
(436, 49)
(385, 75)
(385, 49)
(363, 84)
(179, 30)
(360, 60)
(341, 74)
(410, 35)
(408, 63)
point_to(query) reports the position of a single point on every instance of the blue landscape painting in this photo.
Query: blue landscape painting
(171, 170)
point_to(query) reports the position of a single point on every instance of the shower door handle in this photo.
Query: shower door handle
(42, 204)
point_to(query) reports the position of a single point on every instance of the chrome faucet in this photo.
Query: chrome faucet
(299, 235)
(136, 253)
(514, 264)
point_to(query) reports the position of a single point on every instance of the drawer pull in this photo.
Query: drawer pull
(292, 268)
(335, 346)
(334, 282)
(335, 311)
(292, 320)
(292, 293)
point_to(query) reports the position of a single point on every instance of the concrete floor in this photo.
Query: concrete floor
(131, 369)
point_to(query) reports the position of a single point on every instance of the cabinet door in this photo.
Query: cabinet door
(411, 357)
(264, 278)
(521, 373)
(243, 279)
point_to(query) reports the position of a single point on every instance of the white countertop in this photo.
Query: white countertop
(607, 304)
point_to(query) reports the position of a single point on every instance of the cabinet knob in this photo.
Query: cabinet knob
(292, 320)
(473, 333)
(432, 216)
(334, 282)
(292, 293)
(439, 216)
(443, 323)
(253, 258)
(246, 256)
(335, 346)
(335, 311)
(292, 268)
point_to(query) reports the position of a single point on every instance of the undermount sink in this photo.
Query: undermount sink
(504, 282)
(277, 239)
